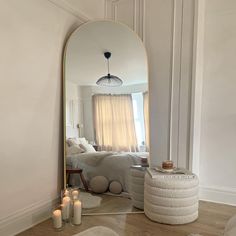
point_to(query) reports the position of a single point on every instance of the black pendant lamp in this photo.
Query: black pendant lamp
(109, 80)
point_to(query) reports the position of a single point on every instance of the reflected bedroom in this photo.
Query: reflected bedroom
(106, 117)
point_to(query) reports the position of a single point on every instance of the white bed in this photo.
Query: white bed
(112, 165)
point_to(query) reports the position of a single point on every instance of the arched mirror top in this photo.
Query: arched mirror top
(85, 61)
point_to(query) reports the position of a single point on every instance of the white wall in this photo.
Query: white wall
(74, 107)
(88, 91)
(158, 40)
(33, 34)
(93, 9)
(218, 123)
(166, 28)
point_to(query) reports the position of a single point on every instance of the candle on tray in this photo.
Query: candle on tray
(77, 212)
(75, 194)
(167, 165)
(65, 208)
(57, 221)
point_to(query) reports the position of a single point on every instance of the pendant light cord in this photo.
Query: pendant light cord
(108, 67)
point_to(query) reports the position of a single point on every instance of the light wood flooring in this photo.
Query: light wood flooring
(211, 221)
(112, 204)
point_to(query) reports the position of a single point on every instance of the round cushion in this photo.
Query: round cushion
(115, 187)
(99, 184)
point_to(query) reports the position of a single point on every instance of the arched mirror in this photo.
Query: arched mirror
(106, 114)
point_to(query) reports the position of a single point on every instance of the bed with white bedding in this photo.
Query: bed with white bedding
(112, 165)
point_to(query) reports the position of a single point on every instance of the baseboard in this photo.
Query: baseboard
(218, 194)
(27, 217)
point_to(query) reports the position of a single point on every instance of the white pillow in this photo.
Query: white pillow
(71, 141)
(87, 147)
(75, 149)
(82, 141)
(76, 141)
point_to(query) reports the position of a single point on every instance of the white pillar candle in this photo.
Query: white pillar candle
(65, 208)
(57, 221)
(77, 213)
(75, 194)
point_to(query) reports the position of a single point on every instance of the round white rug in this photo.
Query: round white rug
(97, 231)
(89, 201)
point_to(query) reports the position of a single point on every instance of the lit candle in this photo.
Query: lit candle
(67, 193)
(75, 194)
(77, 213)
(65, 208)
(57, 221)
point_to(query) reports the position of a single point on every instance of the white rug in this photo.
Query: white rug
(97, 231)
(89, 201)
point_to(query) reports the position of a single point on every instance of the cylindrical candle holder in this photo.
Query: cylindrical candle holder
(74, 194)
(76, 212)
(65, 193)
(66, 209)
(57, 219)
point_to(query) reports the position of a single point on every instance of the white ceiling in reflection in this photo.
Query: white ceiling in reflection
(85, 62)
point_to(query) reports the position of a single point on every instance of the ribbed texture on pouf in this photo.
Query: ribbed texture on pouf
(171, 198)
(137, 186)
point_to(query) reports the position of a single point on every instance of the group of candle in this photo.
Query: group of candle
(70, 207)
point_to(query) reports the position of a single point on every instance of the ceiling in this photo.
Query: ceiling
(85, 62)
(92, 9)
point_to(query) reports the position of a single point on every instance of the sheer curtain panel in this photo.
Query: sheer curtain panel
(114, 122)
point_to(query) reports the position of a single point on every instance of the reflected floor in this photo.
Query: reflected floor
(112, 204)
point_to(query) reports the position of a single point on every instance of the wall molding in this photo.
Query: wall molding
(137, 14)
(82, 17)
(218, 194)
(175, 77)
(26, 218)
(196, 96)
(181, 81)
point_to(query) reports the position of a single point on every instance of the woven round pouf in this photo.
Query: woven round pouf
(171, 198)
(137, 174)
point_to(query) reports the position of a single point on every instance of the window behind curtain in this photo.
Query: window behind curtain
(137, 99)
(114, 122)
(146, 117)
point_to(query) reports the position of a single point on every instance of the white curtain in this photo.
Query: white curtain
(114, 122)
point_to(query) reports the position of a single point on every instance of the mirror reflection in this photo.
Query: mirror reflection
(106, 117)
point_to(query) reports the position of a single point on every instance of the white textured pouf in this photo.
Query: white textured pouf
(137, 174)
(171, 198)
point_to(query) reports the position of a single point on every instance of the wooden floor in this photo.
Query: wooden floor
(211, 221)
(112, 204)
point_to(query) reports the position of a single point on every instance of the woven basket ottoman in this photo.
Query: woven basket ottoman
(171, 198)
(137, 174)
